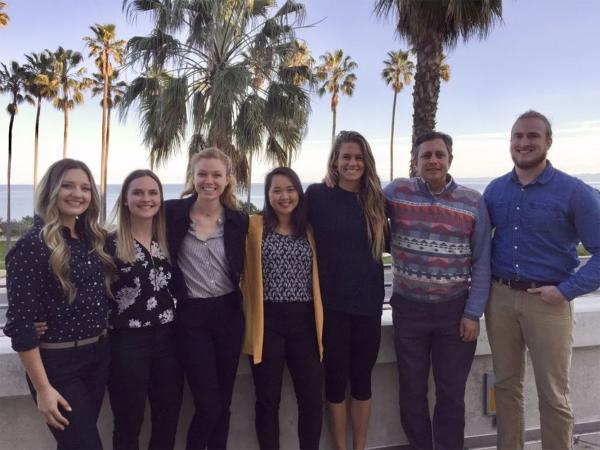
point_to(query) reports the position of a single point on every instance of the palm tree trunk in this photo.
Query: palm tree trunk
(392, 137)
(106, 161)
(249, 194)
(103, 152)
(36, 144)
(8, 173)
(427, 88)
(334, 111)
(65, 131)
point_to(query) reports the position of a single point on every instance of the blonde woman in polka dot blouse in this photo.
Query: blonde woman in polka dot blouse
(59, 273)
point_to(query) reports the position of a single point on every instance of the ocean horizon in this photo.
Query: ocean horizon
(22, 194)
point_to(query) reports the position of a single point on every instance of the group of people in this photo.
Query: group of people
(182, 287)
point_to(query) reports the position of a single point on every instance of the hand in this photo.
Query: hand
(40, 328)
(47, 403)
(549, 294)
(328, 181)
(469, 329)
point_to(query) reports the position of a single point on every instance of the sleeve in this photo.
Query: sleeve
(26, 269)
(481, 241)
(585, 204)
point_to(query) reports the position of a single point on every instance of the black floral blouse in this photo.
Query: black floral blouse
(35, 294)
(142, 294)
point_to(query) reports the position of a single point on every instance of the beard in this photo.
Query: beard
(529, 163)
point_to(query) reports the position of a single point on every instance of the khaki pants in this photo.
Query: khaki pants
(515, 320)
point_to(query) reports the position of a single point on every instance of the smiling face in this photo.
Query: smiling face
(283, 196)
(74, 195)
(210, 178)
(529, 144)
(432, 164)
(350, 166)
(143, 198)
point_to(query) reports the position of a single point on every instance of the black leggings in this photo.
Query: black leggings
(209, 340)
(351, 346)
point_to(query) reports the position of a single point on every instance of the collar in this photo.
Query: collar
(542, 178)
(230, 215)
(450, 185)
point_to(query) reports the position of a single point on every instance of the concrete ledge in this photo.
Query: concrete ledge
(21, 427)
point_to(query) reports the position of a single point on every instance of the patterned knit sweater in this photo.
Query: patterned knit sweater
(440, 244)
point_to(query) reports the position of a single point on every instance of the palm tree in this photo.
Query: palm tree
(429, 27)
(13, 80)
(398, 72)
(116, 93)
(38, 64)
(218, 66)
(106, 48)
(68, 83)
(4, 19)
(335, 72)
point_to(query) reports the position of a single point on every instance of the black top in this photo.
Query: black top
(35, 294)
(351, 280)
(142, 290)
(287, 268)
(178, 223)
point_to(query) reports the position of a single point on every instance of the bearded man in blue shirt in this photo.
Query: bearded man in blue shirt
(540, 215)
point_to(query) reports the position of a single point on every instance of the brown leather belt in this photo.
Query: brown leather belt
(72, 344)
(523, 285)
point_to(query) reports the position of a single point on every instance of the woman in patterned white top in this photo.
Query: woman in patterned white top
(283, 310)
(59, 273)
(144, 361)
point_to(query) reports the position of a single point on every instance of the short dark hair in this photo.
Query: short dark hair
(532, 114)
(299, 215)
(430, 136)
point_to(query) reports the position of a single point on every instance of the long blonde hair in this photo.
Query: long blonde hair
(228, 197)
(370, 193)
(51, 233)
(125, 248)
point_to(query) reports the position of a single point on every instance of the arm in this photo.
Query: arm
(585, 204)
(48, 398)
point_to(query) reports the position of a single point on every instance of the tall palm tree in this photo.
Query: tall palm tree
(12, 80)
(429, 27)
(38, 64)
(116, 93)
(106, 48)
(216, 68)
(4, 19)
(68, 82)
(398, 72)
(335, 73)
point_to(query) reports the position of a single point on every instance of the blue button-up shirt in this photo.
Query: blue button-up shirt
(538, 227)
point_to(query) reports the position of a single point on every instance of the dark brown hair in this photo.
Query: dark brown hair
(300, 213)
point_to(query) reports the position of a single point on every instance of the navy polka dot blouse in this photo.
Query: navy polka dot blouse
(35, 294)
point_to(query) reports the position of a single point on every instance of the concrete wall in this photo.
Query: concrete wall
(21, 427)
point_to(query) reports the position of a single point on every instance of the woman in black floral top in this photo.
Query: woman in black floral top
(144, 363)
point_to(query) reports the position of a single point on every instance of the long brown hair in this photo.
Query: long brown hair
(370, 193)
(125, 247)
(51, 233)
(228, 197)
(300, 213)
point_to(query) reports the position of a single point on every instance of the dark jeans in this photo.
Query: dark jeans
(351, 346)
(144, 364)
(209, 340)
(427, 334)
(79, 375)
(289, 337)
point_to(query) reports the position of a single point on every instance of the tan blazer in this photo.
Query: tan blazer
(252, 289)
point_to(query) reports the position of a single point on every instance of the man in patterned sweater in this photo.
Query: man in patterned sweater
(441, 252)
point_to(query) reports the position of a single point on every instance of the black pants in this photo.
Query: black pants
(144, 364)
(289, 337)
(79, 375)
(427, 334)
(351, 346)
(209, 340)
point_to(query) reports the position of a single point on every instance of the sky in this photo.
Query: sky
(543, 56)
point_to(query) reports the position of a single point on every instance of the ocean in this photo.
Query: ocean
(22, 195)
